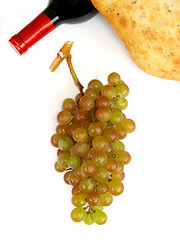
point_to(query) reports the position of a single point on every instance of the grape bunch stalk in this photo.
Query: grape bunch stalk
(88, 141)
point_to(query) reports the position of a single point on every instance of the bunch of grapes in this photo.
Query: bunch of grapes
(90, 151)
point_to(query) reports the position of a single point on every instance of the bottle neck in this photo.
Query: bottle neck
(53, 15)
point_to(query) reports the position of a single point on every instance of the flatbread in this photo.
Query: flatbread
(150, 30)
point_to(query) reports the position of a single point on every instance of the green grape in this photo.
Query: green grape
(100, 217)
(111, 165)
(58, 168)
(111, 135)
(81, 149)
(102, 175)
(79, 173)
(63, 160)
(103, 114)
(65, 143)
(73, 180)
(87, 185)
(118, 145)
(95, 129)
(95, 84)
(102, 101)
(99, 159)
(80, 135)
(55, 139)
(75, 189)
(123, 157)
(121, 131)
(122, 89)
(81, 115)
(116, 188)
(98, 207)
(62, 130)
(87, 103)
(116, 117)
(88, 168)
(129, 125)
(79, 200)
(74, 161)
(66, 177)
(102, 188)
(120, 169)
(106, 199)
(64, 117)
(118, 176)
(93, 198)
(92, 92)
(99, 143)
(78, 214)
(114, 79)
(69, 105)
(122, 104)
(89, 219)
(108, 91)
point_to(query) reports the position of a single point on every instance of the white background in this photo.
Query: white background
(35, 203)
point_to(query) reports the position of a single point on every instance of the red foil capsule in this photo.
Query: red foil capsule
(32, 33)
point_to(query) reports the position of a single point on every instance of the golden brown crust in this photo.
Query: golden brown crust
(150, 30)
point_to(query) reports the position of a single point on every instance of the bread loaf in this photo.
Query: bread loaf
(150, 30)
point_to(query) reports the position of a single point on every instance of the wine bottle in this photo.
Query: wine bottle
(56, 13)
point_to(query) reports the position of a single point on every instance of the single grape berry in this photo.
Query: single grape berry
(114, 79)
(92, 92)
(95, 84)
(116, 188)
(95, 129)
(86, 103)
(108, 91)
(80, 135)
(103, 114)
(65, 143)
(100, 143)
(79, 200)
(102, 101)
(89, 219)
(81, 115)
(74, 161)
(78, 214)
(69, 105)
(129, 125)
(55, 139)
(87, 185)
(93, 198)
(64, 117)
(62, 130)
(100, 217)
(122, 89)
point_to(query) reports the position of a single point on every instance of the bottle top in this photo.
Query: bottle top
(32, 33)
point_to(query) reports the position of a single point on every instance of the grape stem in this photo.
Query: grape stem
(64, 53)
(73, 74)
(89, 209)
